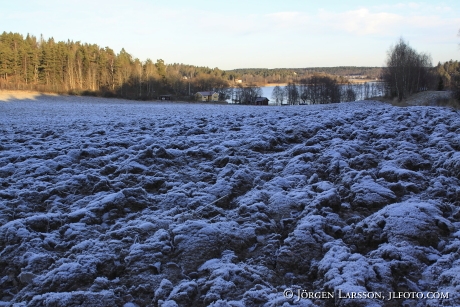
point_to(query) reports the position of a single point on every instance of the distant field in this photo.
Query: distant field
(359, 81)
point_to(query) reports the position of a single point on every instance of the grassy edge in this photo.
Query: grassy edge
(440, 102)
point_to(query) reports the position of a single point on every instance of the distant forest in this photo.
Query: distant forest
(286, 75)
(88, 69)
(31, 63)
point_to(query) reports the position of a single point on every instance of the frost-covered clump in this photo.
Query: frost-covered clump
(116, 203)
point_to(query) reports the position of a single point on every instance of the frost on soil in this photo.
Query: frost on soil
(114, 203)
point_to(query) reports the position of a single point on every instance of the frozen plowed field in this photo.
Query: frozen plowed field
(121, 203)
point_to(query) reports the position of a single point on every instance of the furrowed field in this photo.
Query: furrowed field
(121, 203)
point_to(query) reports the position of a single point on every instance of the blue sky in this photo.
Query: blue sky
(239, 34)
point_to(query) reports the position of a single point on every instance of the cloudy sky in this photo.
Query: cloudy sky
(245, 33)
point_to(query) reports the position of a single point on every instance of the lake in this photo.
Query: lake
(358, 88)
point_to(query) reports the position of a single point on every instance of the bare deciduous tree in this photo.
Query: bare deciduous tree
(349, 94)
(247, 94)
(278, 95)
(407, 71)
(303, 91)
(292, 93)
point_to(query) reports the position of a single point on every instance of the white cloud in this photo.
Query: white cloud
(410, 5)
(443, 9)
(361, 21)
(365, 21)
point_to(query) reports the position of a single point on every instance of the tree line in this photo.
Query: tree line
(285, 75)
(324, 89)
(80, 68)
(449, 77)
(30, 63)
(317, 89)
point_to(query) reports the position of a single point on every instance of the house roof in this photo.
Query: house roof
(206, 93)
(260, 99)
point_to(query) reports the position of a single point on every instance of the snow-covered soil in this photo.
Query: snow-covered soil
(121, 203)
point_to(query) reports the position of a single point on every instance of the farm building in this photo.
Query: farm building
(260, 101)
